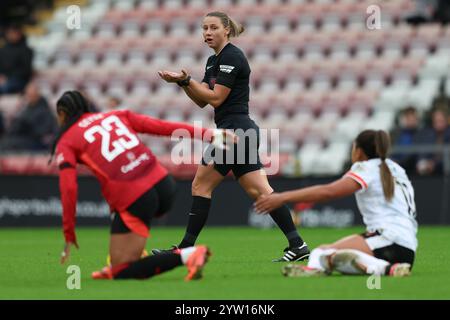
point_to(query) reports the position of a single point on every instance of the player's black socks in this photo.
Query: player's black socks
(197, 219)
(150, 266)
(283, 219)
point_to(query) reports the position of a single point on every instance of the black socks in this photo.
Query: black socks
(149, 266)
(282, 217)
(199, 214)
(197, 219)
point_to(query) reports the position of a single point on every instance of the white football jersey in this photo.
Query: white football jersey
(395, 219)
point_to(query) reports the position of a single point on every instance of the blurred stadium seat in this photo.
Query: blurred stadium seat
(316, 68)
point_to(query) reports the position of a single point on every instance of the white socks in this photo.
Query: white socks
(186, 253)
(314, 257)
(374, 265)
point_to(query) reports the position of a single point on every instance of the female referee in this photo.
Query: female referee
(225, 87)
(385, 198)
(136, 187)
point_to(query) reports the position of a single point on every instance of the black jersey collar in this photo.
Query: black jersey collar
(222, 49)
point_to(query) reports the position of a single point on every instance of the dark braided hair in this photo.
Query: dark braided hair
(74, 105)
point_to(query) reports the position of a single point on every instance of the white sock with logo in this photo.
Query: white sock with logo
(185, 253)
(314, 257)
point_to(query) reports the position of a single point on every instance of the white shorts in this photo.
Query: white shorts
(377, 242)
(385, 249)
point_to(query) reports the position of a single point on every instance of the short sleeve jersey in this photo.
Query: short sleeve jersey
(395, 218)
(229, 68)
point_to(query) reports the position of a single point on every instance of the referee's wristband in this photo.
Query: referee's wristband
(185, 82)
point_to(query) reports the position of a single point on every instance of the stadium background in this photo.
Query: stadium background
(319, 75)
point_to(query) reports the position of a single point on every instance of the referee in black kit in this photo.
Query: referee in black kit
(225, 87)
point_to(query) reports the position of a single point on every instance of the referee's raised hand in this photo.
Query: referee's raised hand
(171, 76)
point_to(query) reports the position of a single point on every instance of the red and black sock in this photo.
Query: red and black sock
(147, 267)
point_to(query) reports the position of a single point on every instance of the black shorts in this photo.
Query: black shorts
(388, 250)
(154, 203)
(244, 157)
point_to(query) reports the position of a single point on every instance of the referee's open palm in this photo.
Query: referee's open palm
(171, 76)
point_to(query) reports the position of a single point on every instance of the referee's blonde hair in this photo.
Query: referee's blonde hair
(376, 144)
(235, 28)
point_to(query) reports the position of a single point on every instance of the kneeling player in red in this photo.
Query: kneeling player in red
(135, 185)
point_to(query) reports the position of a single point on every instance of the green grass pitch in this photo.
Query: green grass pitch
(240, 268)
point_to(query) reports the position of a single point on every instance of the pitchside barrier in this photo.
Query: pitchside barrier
(31, 198)
(27, 201)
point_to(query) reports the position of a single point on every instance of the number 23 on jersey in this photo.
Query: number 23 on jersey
(112, 149)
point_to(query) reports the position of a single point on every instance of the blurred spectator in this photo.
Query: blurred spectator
(442, 13)
(405, 135)
(34, 127)
(15, 62)
(430, 11)
(423, 11)
(21, 11)
(441, 101)
(438, 134)
(114, 103)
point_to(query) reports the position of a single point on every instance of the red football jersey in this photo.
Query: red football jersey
(108, 144)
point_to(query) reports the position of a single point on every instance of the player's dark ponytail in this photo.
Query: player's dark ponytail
(376, 144)
(73, 105)
(382, 145)
(235, 28)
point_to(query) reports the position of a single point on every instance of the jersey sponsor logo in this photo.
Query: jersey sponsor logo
(209, 67)
(134, 163)
(131, 156)
(225, 68)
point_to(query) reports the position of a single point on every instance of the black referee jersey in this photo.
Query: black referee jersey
(229, 68)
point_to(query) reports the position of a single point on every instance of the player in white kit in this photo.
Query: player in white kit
(385, 198)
